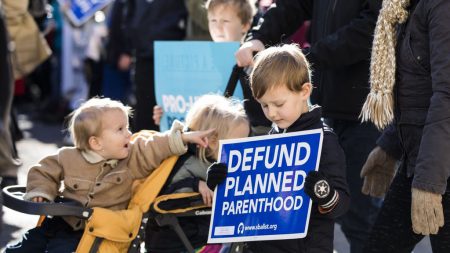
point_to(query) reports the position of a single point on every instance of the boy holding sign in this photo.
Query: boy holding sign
(280, 82)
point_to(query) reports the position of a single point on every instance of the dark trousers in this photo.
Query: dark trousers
(392, 232)
(53, 236)
(144, 80)
(357, 140)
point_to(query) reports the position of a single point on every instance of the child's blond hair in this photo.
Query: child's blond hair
(215, 112)
(86, 121)
(246, 9)
(279, 65)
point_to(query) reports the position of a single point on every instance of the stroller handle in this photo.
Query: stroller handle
(13, 198)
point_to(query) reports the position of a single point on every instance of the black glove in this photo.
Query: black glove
(217, 172)
(321, 191)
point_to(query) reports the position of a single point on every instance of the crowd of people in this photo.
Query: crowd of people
(374, 75)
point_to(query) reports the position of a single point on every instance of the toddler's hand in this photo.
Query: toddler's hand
(206, 193)
(197, 137)
(39, 199)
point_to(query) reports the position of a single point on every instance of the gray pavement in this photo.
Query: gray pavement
(41, 139)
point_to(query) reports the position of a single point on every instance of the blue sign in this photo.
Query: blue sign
(185, 70)
(262, 197)
(81, 11)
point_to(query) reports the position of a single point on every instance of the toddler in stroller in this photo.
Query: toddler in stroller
(98, 173)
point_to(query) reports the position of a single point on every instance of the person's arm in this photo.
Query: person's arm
(433, 162)
(148, 151)
(118, 45)
(281, 21)
(348, 45)
(44, 179)
(278, 22)
(389, 141)
(127, 26)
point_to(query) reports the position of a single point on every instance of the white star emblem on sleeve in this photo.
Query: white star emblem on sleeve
(321, 189)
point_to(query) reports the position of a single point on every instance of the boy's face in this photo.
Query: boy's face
(282, 106)
(225, 25)
(114, 140)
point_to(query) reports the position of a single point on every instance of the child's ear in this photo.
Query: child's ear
(306, 90)
(94, 144)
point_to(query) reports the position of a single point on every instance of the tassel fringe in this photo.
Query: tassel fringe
(378, 108)
(379, 105)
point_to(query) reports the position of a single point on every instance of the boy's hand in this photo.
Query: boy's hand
(216, 174)
(157, 114)
(206, 193)
(197, 137)
(321, 191)
(244, 55)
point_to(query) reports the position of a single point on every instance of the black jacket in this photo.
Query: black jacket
(321, 226)
(150, 20)
(422, 95)
(341, 35)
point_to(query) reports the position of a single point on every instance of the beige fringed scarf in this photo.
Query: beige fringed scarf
(379, 104)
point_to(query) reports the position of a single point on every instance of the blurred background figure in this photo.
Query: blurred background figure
(197, 21)
(149, 21)
(116, 82)
(28, 49)
(74, 87)
(8, 156)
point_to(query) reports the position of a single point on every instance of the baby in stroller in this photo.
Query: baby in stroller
(98, 171)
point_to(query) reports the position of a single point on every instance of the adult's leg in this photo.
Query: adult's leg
(392, 231)
(357, 140)
(145, 94)
(8, 164)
